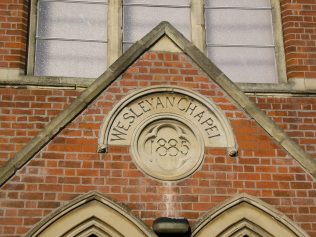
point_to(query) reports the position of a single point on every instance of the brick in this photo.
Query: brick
(30, 212)
(301, 185)
(32, 196)
(69, 166)
(50, 205)
(271, 185)
(10, 221)
(50, 187)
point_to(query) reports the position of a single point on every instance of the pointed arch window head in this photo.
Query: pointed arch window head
(91, 215)
(238, 217)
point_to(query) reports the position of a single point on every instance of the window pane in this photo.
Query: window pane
(237, 3)
(139, 20)
(64, 27)
(254, 65)
(84, 1)
(72, 20)
(231, 26)
(239, 37)
(159, 2)
(70, 59)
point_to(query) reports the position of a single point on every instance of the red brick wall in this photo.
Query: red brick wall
(299, 29)
(13, 33)
(296, 115)
(24, 112)
(69, 165)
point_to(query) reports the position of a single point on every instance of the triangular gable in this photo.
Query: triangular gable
(117, 68)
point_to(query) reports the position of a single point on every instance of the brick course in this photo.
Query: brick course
(69, 165)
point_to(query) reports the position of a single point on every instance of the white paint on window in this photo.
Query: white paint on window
(140, 16)
(71, 38)
(239, 39)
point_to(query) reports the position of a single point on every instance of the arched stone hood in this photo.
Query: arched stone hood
(121, 124)
(167, 129)
(91, 214)
(246, 215)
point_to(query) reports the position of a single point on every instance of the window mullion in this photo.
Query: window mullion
(115, 16)
(198, 24)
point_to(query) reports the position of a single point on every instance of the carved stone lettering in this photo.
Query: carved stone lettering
(167, 149)
(141, 109)
(167, 129)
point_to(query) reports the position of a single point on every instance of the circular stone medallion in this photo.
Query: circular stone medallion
(167, 149)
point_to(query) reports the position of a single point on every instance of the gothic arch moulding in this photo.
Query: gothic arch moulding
(167, 129)
(246, 216)
(91, 215)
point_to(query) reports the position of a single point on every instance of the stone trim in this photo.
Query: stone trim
(119, 66)
(32, 38)
(8, 74)
(122, 214)
(242, 208)
(198, 24)
(278, 41)
(189, 133)
(16, 78)
(245, 228)
(302, 86)
(230, 141)
(115, 34)
(165, 45)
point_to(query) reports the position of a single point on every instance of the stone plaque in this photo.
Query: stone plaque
(167, 149)
(167, 129)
